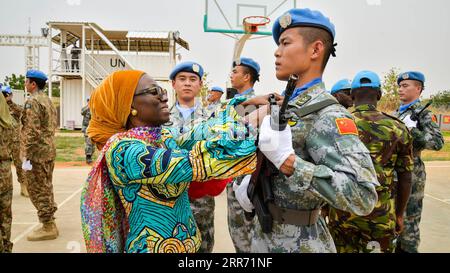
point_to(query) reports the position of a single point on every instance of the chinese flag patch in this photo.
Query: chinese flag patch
(346, 126)
(434, 118)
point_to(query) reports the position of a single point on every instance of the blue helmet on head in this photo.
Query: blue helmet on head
(6, 89)
(341, 85)
(303, 18)
(411, 75)
(217, 88)
(36, 74)
(366, 79)
(190, 67)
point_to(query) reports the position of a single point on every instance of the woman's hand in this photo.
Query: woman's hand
(262, 100)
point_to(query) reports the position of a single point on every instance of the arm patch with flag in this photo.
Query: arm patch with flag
(434, 118)
(346, 126)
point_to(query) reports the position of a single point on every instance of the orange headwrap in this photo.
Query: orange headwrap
(110, 105)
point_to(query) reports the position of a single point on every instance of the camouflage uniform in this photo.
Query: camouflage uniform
(332, 166)
(89, 147)
(238, 226)
(202, 208)
(390, 145)
(6, 189)
(39, 124)
(212, 107)
(427, 137)
(17, 112)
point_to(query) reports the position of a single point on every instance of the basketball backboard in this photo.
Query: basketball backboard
(226, 16)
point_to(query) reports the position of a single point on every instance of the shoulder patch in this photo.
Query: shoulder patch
(434, 118)
(27, 106)
(302, 100)
(346, 126)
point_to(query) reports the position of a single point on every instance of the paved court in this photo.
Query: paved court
(435, 224)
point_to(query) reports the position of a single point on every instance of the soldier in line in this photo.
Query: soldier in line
(214, 95)
(89, 147)
(16, 112)
(185, 113)
(39, 124)
(341, 91)
(390, 146)
(243, 77)
(426, 135)
(6, 183)
(321, 159)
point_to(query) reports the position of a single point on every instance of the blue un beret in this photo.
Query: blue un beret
(6, 89)
(249, 63)
(341, 85)
(36, 74)
(369, 75)
(217, 88)
(191, 67)
(301, 18)
(411, 75)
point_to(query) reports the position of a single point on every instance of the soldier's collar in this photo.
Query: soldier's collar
(365, 107)
(405, 107)
(308, 94)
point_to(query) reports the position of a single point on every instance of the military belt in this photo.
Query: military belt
(294, 217)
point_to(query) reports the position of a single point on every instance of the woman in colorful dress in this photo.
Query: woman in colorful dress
(135, 198)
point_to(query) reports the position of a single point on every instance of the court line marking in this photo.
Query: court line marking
(438, 199)
(28, 230)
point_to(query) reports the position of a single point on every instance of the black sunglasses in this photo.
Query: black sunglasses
(154, 91)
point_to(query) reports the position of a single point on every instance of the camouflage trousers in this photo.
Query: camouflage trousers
(40, 189)
(89, 147)
(409, 240)
(6, 193)
(203, 210)
(18, 162)
(349, 240)
(238, 226)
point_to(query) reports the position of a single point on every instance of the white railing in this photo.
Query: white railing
(95, 71)
(66, 64)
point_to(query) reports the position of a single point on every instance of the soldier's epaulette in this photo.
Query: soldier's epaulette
(392, 117)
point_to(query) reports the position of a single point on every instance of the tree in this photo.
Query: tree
(442, 100)
(18, 83)
(390, 100)
(15, 82)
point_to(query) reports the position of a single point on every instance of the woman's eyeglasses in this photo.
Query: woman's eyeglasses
(154, 91)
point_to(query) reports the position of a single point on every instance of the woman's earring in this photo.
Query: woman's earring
(134, 112)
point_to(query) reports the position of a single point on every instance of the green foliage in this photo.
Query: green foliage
(15, 82)
(442, 100)
(390, 100)
(18, 83)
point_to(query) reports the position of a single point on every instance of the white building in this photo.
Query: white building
(100, 52)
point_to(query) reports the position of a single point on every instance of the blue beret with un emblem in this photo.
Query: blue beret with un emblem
(341, 85)
(191, 67)
(369, 78)
(411, 75)
(217, 88)
(248, 62)
(301, 18)
(36, 74)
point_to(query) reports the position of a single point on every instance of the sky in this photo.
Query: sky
(371, 35)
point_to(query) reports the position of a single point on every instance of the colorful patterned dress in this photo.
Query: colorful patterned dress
(141, 204)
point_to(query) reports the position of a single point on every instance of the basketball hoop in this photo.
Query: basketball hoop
(251, 23)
